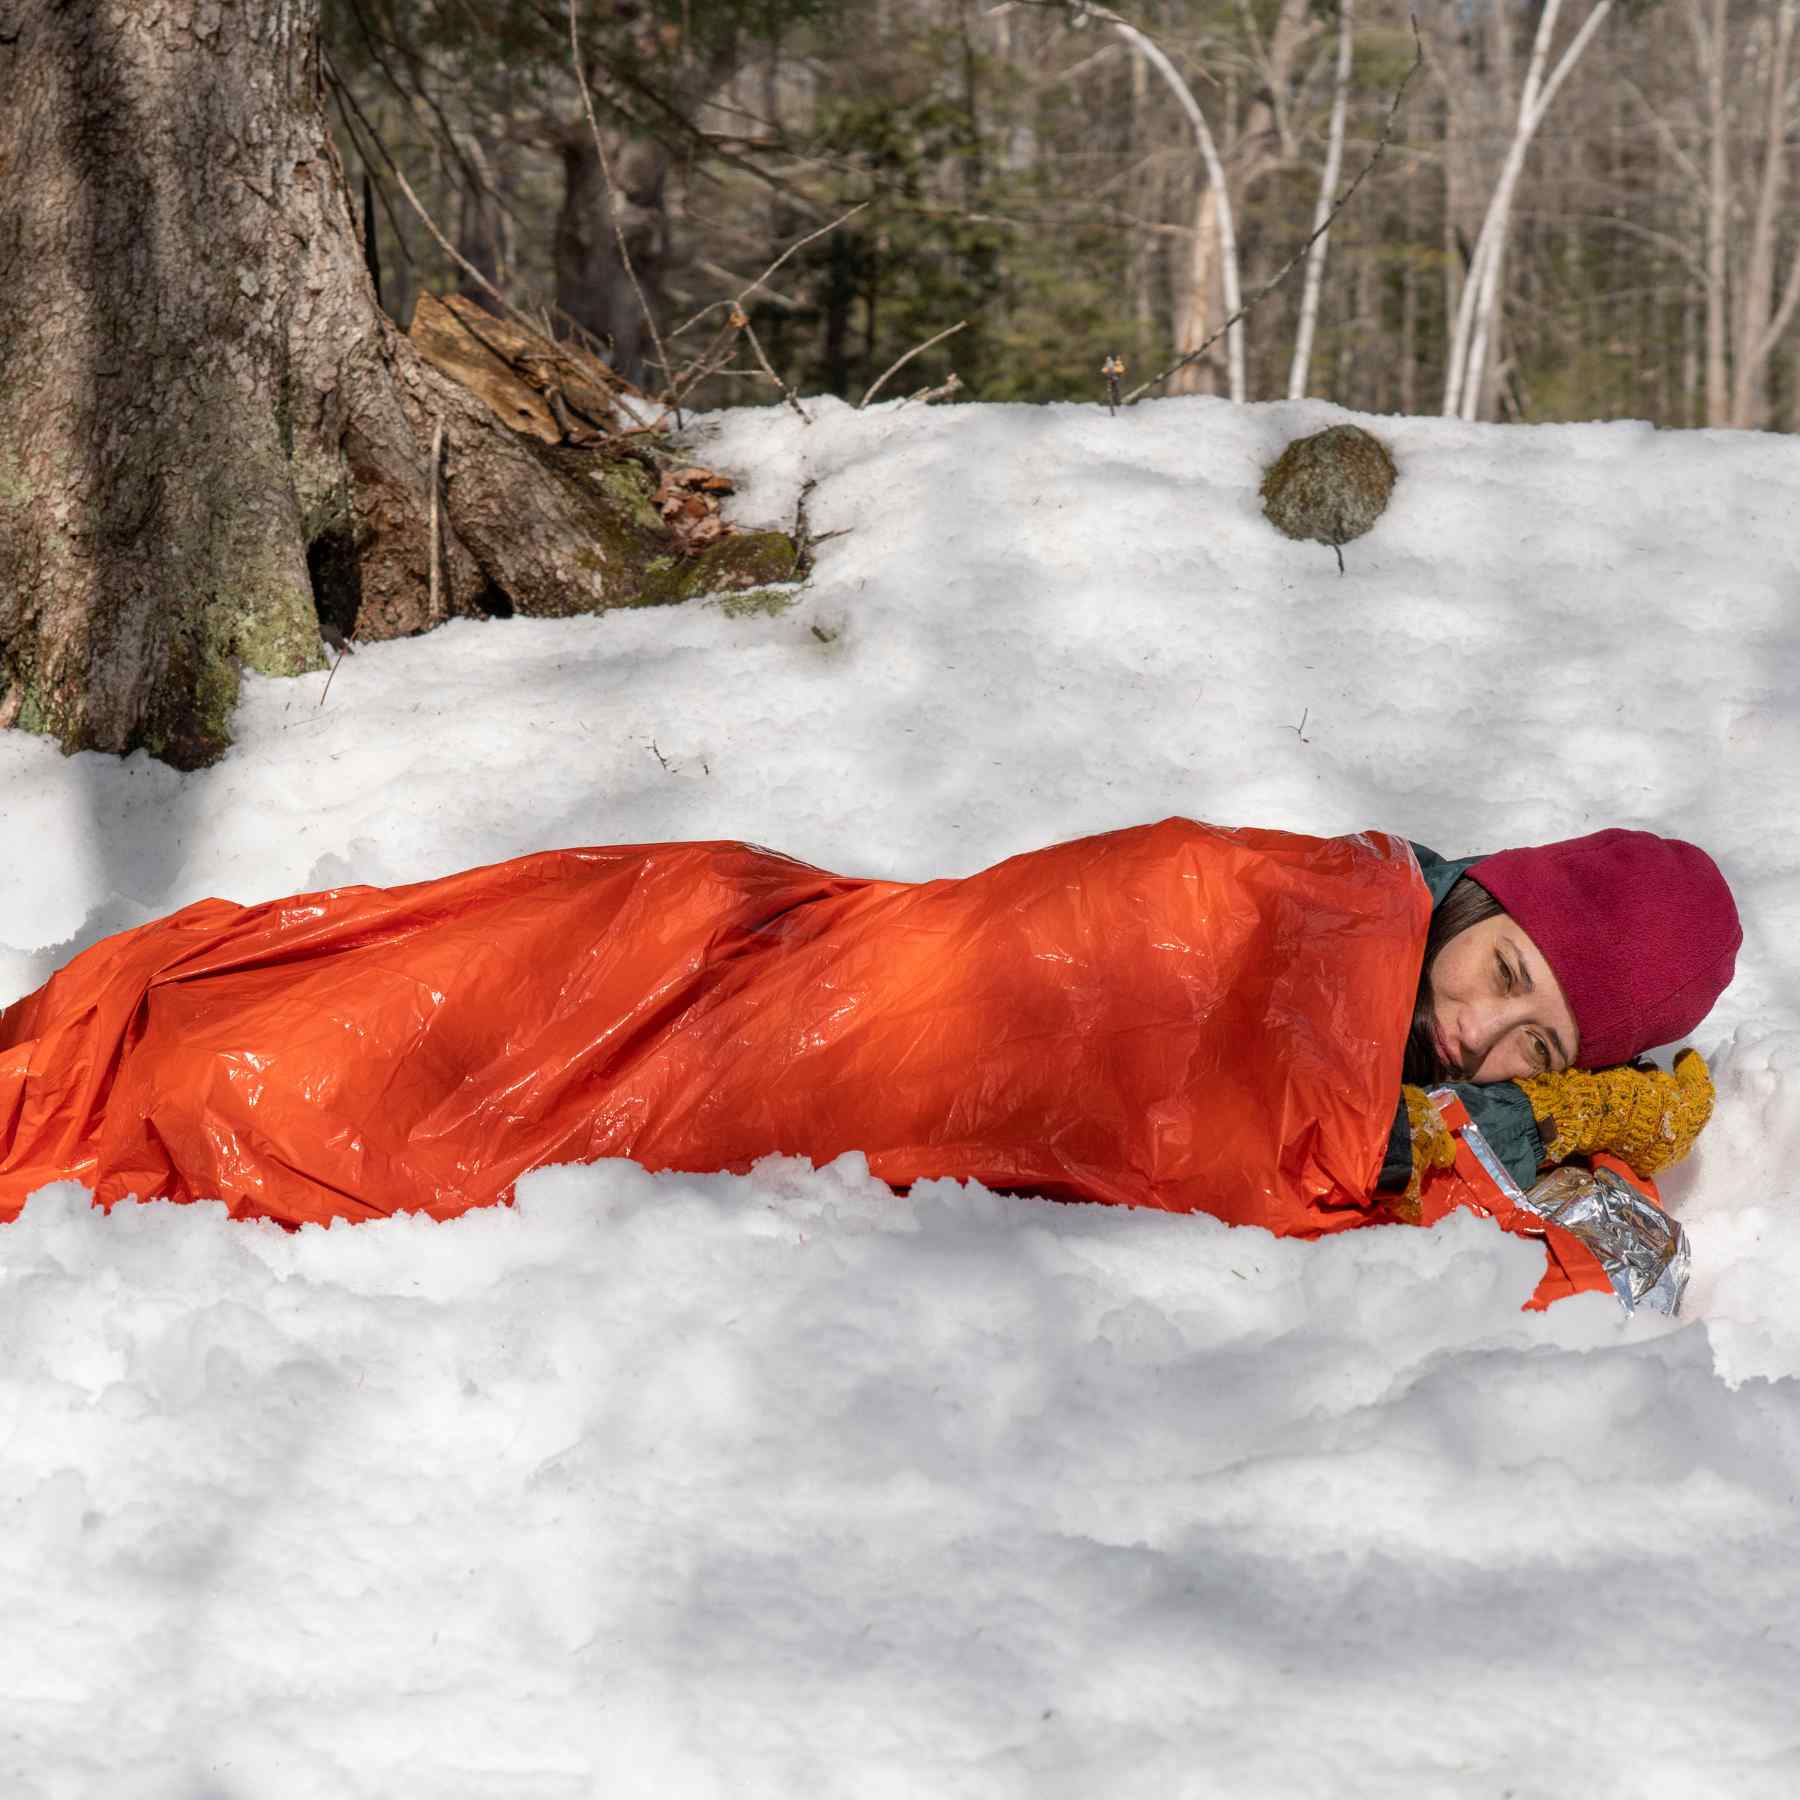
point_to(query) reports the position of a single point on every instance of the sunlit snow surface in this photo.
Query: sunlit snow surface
(784, 1486)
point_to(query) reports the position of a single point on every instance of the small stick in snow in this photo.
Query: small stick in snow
(895, 368)
(805, 537)
(344, 646)
(802, 533)
(949, 386)
(787, 393)
(1113, 368)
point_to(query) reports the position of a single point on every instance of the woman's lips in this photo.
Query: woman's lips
(1443, 1049)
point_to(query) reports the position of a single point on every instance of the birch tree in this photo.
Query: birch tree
(1477, 314)
(1315, 255)
(1762, 315)
(1215, 223)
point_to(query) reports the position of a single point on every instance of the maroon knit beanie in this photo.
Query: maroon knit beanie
(1640, 930)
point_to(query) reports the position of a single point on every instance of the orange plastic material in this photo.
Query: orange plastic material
(1177, 1015)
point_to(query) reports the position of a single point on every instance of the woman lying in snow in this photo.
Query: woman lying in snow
(1175, 1015)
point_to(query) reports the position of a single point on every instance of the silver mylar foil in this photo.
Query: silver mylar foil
(1643, 1251)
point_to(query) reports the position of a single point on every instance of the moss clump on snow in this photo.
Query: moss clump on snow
(1330, 487)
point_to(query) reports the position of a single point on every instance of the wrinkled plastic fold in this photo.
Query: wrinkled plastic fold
(1176, 1015)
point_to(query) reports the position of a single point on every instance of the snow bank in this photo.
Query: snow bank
(783, 1484)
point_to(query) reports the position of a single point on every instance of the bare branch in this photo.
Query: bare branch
(1281, 274)
(1660, 128)
(787, 393)
(750, 288)
(950, 385)
(894, 368)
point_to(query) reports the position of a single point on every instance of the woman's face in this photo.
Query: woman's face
(1497, 1012)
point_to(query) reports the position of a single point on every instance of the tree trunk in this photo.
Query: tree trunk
(207, 416)
(1762, 316)
(1215, 244)
(1196, 277)
(482, 234)
(592, 286)
(1478, 316)
(1315, 255)
(1709, 39)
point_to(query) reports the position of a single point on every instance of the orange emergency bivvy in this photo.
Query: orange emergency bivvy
(1177, 1015)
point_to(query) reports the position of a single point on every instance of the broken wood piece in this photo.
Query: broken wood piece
(552, 391)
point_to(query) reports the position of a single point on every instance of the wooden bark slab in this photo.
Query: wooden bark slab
(549, 391)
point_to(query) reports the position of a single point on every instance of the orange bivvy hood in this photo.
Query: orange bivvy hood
(1176, 1015)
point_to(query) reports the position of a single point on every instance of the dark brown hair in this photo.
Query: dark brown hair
(1466, 904)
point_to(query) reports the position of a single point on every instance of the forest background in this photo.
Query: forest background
(1051, 176)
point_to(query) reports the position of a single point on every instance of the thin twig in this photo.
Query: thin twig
(437, 534)
(712, 360)
(732, 279)
(787, 393)
(1274, 281)
(329, 679)
(895, 368)
(613, 198)
(942, 391)
(744, 293)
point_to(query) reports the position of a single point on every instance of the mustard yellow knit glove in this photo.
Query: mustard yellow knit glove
(1645, 1117)
(1433, 1143)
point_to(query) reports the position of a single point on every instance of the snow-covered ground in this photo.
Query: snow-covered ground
(782, 1485)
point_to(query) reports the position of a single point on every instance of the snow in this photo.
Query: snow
(781, 1484)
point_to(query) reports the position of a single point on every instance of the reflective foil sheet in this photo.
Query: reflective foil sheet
(1642, 1249)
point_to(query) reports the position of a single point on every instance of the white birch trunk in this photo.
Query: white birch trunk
(1315, 255)
(1215, 174)
(1484, 263)
(1193, 295)
(1479, 309)
(1532, 110)
(1761, 317)
(1709, 48)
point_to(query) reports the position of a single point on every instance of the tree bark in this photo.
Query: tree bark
(210, 434)
(482, 233)
(1762, 315)
(1195, 277)
(1709, 42)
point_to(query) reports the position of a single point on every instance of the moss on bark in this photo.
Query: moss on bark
(748, 559)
